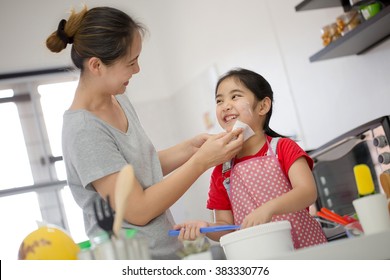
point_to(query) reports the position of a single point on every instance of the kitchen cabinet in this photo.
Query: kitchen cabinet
(365, 36)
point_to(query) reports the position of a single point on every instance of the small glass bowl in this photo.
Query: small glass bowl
(353, 229)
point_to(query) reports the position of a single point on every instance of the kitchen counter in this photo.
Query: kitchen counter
(366, 247)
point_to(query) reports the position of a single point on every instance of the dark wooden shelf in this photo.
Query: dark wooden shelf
(317, 4)
(360, 39)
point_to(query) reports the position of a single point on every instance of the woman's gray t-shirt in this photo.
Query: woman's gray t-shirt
(93, 149)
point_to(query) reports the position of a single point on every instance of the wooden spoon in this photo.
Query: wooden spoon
(124, 185)
(385, 182)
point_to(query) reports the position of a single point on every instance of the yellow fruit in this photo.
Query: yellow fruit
(48, 243)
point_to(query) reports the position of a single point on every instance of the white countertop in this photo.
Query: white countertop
(366, 247)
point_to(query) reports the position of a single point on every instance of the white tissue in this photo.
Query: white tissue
(248, 132)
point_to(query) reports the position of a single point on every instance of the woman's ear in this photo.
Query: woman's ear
(94, 65)
(264, 106)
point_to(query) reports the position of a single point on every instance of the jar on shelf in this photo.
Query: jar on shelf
(348, 21)
(370, 9)
(329, 33)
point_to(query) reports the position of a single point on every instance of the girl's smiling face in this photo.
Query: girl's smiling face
(234, 101)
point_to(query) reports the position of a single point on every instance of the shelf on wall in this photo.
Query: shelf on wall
(360, 39)
(317, 4)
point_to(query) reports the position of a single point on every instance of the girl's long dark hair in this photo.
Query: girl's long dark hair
(260, 88)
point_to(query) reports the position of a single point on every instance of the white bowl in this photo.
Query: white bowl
(260, 242)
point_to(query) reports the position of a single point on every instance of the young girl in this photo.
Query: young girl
(102, 134)
(270, 179)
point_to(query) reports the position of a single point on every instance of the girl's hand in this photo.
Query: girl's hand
(259, 216)
(190, 230)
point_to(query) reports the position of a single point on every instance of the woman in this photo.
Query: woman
(102, 133)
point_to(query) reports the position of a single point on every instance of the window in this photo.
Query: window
(55, 99)
(32, 189)
(22, 211)
(14, 161)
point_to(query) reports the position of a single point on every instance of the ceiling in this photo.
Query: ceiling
(167, 58)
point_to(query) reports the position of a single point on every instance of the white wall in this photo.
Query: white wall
(317, 101)
(336, 95)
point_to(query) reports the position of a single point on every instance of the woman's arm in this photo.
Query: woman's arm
(302, 195)
(177, 155)
(145, 205)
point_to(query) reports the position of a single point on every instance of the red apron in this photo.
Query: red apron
(260, 179)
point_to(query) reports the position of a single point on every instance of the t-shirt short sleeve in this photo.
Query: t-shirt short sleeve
(288, 152)
(218, 196)
(95, 155)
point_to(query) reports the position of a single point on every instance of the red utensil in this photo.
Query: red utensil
(349, 219)
(331, 216)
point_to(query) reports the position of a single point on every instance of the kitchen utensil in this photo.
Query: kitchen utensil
(265, 241)
(124, 185)
(128, 246)
(326, 222)
(363, 178)
(349, 219)
(385, 182)
(331, 216)
(175, 232)
(350, 225)
(104, 217)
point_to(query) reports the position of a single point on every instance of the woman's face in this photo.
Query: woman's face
(234, 101)
(119, 74)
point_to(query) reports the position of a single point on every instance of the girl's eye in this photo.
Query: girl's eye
(218, 101)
